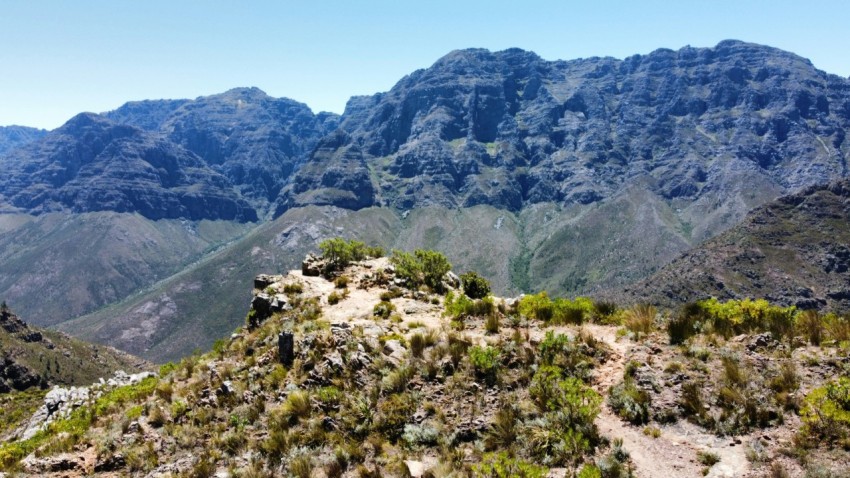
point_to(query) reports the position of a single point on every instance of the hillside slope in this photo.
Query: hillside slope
(56, 266)
(35, 357)
(365, 376)
(793, 251)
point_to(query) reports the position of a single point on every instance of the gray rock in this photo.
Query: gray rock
(286, 348)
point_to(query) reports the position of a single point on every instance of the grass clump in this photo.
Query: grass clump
(383, 309)
(639, 320)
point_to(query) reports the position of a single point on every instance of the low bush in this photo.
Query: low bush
(502, 465)
(474, 286)
(485, 363)
(826, 412)
(732, 317)
(422, 267)
(574, 311)
(630, 402)
(537, 307)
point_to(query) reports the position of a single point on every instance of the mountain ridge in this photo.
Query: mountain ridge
(792, 251)
(578, 175)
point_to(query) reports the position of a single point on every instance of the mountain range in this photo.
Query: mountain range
(570, 176)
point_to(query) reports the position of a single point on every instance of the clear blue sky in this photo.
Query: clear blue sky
(62, 57)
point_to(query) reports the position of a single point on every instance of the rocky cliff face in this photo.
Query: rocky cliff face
(254, 140)
(793, 251)
(13, 136)
(94, 164)
(510, 129)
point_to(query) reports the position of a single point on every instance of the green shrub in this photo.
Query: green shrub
(474, 286)
(826, 412)
(732, 317)
(629, 402)
(550, 391)
(565, 311)
(339, 252)
(423, 267)
(458, 306)
(502, 465)
(566, 354)
(589, 471)
(537, 307)
(485, 362)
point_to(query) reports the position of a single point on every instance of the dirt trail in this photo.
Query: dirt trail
(674, 453)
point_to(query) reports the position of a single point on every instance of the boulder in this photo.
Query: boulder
(262, 281)
(286, 348)
(452, 280)
(312, 266)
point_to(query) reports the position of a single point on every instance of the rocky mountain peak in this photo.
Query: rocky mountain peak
(510, 129)
(15, 136)
(94, 164)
